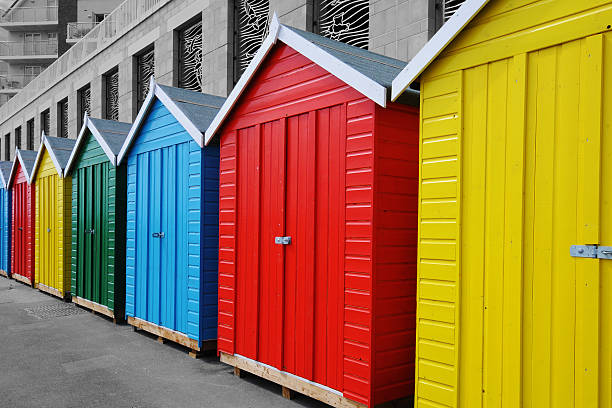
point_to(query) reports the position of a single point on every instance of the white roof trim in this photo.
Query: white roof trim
(3, 180)
(156, 91)
(319, 56)
(436, 45)
(14, 168)
(45, 145)
(88, 124)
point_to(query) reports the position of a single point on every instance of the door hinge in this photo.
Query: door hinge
(282, 240)
(591, 251)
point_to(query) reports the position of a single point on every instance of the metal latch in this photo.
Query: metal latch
(158, 235)
(48, 229)
(282, 240)
(591, 251)
(90, 231)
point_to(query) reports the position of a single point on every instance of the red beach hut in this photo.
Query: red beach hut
(318, 222)
(24, 200)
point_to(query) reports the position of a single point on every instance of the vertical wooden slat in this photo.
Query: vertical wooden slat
(589, 176)
(513, 239)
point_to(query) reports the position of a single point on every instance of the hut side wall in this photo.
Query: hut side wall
(396, 183)
(515, 154)
(22, 247)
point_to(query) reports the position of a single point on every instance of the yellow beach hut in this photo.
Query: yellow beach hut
(53, 216)
(515, 214)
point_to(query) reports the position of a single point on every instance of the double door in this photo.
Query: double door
(290, 244)
(92, 221)
(165, 218)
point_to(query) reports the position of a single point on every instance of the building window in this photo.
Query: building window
(18, 137)
(190, 57)
(7, 147)
(145, 69)
(111, 91)
(84, 103)
(45, 121)
(30, 135)
(347, 21)
(450, 7)
(62, 118)
(250, 29)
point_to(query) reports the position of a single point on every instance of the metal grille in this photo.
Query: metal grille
(30, 135)
(112, 96)
(18, 137)
(146, 69)
(45, 121)
(85, 95)
(63, 116)
(190, 58)
(251, 29)
(53, 310)
(450, 8)
(347, 21)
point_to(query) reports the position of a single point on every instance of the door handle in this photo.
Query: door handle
(89, 231)
(48, 229)
(20, 229)
(282, 240)
(158, 235)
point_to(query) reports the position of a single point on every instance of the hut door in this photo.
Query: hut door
(46, 230)
(20, 205)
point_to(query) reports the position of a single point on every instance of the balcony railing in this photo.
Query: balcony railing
(27, 48)
(30, 15)
(76, 31)
(15, 82)
(120, 21)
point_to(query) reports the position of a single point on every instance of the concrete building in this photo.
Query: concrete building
(195, 44)
(35, 32)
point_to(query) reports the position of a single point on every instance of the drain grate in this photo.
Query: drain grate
(54, 310)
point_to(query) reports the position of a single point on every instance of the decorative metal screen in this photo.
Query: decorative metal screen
(18, 137)
(7, 147)
(347, 21)
(251, 22)
(145, 70)
(190, 57)
(450, 7)
(30, 135)
(112, 95)
(63, 118)
(45, 121)
(85, 96)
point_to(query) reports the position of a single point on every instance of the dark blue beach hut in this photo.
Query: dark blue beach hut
(172, 218)
(5, 219)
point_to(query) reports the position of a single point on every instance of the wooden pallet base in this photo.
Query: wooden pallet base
(4, 273)
(94, 307)
(164, 334)
(288, 381)
(50, 290)
(21, 279)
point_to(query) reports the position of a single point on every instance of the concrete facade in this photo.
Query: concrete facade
(398, 28)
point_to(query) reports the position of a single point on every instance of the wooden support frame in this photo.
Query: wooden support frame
(51, 291)
(21, 279)
(289, 382)
(168, 334)
(93, 306)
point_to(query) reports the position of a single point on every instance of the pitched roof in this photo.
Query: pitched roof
(193, 110)
(436, 45)
(367, 72)
(109, 134)
(5, 172)
(59, 149)
(27, 159)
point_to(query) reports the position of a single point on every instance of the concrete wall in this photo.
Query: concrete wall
(398, 28)
(87, 7)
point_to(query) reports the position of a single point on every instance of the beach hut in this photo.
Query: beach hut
(172, 218)
(22, 216)
(5, 219)
(318, 193)
(515, 263)
(53, 221)
(98, 217)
